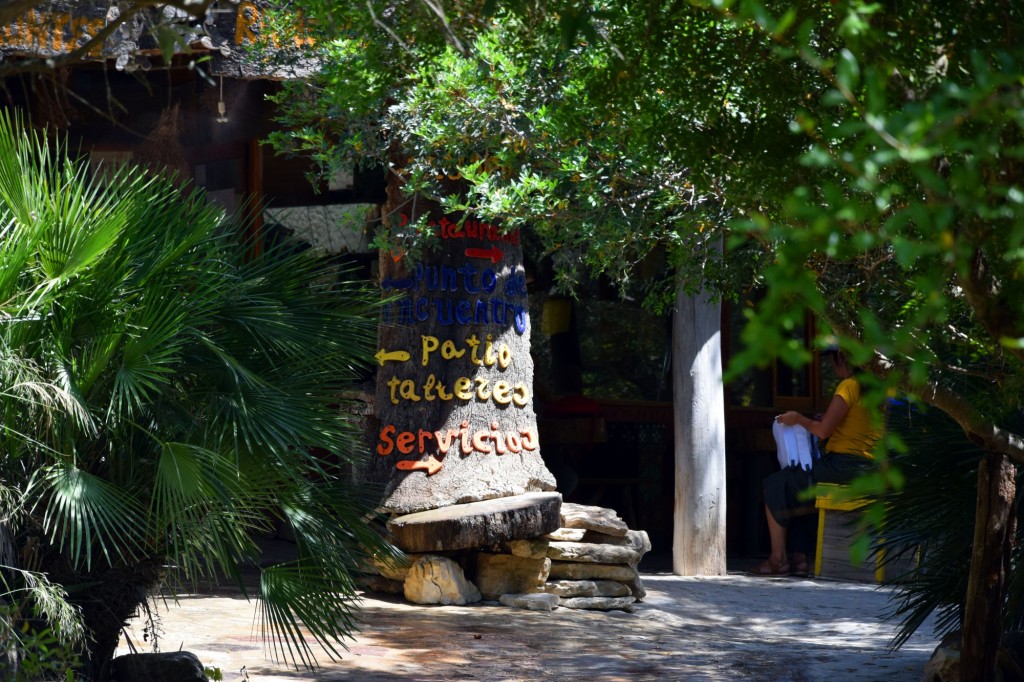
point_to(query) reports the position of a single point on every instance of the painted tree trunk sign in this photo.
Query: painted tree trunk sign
(454, 393)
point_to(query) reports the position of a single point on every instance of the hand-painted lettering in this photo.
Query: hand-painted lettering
(486, 441)
(386, 445)
(428, 345)
(463, 388)
(447, 312)
(502, 393)
(404, 442)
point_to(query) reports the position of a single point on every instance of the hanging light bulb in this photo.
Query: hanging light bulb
(221, 107)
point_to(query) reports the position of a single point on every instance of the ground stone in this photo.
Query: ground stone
(533, 602)
(438, 580)
(477, 524)
(599, 603)
(498, 574)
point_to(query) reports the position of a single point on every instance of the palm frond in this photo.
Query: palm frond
(299, 597)
(201, 497)
(82, 223)
(85, 514)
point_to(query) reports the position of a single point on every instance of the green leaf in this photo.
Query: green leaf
(89, 517)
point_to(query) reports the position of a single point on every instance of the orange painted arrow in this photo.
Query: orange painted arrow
(431, 466)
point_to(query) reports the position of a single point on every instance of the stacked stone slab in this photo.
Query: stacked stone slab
(594, 560)
(589, 562)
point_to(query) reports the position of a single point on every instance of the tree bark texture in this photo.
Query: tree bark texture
(990, 565)
(698, 546)
(454, 399)
(114, 596)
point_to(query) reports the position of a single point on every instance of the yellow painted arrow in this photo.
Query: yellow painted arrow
(396, 355)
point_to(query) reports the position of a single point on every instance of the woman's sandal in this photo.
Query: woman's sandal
(769, 567)
(800, 565)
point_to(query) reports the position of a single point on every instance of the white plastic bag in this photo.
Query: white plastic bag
(795, 446)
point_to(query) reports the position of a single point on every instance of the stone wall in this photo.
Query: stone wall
(589, 562)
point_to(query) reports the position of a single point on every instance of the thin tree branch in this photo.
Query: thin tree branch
(439, 11)
(387, 29)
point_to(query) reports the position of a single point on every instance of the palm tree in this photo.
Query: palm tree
(162, 385)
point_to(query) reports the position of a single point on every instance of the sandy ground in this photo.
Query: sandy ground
(735, 627)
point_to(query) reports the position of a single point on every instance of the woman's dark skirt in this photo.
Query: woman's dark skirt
(783, 488)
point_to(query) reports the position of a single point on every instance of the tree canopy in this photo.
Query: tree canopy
(867, 155)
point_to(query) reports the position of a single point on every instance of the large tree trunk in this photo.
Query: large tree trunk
(990, 564)
(698, 545)
(107, 598)
(454, 399)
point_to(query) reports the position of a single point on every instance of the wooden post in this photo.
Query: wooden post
(698, 546)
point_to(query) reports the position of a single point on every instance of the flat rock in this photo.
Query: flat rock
(599, 603)
(438, 580)
(498, 574)
(636, 539)
(477, 524)
(587, 571)
(392, 569)
(636, 586)
(601, 519)
(612, 588)
(533, 602)
(594, 553)
(570, 588)
(536, 548)
(586, 588)
(567, 534)
(372, 582)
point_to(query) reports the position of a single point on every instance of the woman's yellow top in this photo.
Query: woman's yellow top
(855, 435)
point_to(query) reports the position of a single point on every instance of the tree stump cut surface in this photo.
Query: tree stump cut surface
(477, 524)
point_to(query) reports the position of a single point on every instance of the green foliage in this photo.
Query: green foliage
(932, 518)
(542, 132)
(43, 656)
(33, 652)
(163, 383)
(870, 152)
(906, 238)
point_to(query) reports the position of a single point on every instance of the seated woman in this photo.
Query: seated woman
(851, 434)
